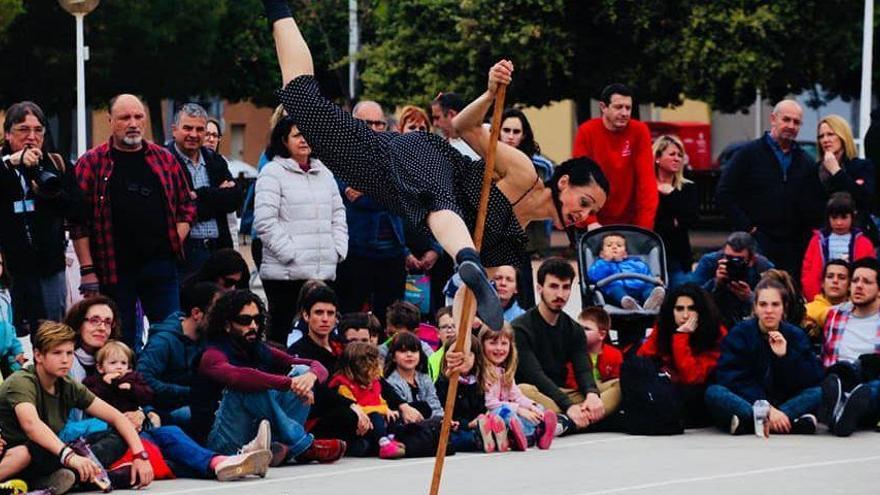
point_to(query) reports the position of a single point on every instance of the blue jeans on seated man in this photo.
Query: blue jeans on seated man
(240, 413)
(177, 417)
(156, 285)
(185, 457)
(724, 404)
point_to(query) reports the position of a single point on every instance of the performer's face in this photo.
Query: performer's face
(579, 202)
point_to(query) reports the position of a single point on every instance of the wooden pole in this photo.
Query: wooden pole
(468, 310)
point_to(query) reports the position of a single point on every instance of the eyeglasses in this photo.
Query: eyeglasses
(229, 282)
(23, 129)
(212, 135)
(246, 320)
(377, 124)
(97, 320)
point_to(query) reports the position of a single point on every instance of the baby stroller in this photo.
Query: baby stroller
(630, 324)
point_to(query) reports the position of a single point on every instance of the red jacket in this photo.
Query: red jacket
(608, 363)
(627, 160)
(683, 365)
(817, 255)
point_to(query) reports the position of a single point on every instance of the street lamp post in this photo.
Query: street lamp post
(79, 9)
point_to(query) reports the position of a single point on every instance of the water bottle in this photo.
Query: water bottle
(760, 411)
(81, 447)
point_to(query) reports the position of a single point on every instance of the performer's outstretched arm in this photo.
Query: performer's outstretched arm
(294, 56)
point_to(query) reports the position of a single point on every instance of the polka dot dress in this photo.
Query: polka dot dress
(409, 174)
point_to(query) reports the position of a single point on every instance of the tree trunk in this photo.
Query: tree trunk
(157, 123)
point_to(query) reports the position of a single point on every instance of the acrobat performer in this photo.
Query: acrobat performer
(421, 178)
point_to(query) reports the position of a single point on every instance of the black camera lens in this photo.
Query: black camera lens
(48, 182)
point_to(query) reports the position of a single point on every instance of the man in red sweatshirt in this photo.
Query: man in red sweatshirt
(622, 148)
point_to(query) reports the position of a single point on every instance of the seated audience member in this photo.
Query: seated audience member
(547, 339)
(359, 379)
(686, 343)
(406, 377)
(30, 420)
(605, 359)
(242, 381)
(835, 290)
(358, 327)
(766, 358)
(851, 355)
(506, 279)
(300, 327)
(402, 317)
(95, 321)
(446, 330)
(127, 391)
(627, 293)
(477, 430)
(840, 239)
(527, 421)
(319, 313)
(794, 302)
(224, 267)
(730, 275)
(168, 361)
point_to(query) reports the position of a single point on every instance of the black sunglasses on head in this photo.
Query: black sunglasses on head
(246, 320)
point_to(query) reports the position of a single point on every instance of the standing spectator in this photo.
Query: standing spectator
(213, 136)
(835, 290)
(765, 358)
(374, 272)
(211, 187)
(851, 354)
(764, 190)
(412, 119)
(11, 351)
(300, 218)
(546, 340)
(840, 169)
(730, 275)
(686, 342)
(622, 148)
(444, 108)
(839, 239)
(37, 192)
(138, 214)
(516, 131)
(678, 208)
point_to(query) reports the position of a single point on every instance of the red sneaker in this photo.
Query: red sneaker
(546, 430)
(324, 451)
(517, 436)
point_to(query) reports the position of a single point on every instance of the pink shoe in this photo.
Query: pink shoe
(518, 437)
(484, 424)
(547, 430)
(389, 448)
(499, 430)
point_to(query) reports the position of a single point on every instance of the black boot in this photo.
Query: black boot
(474, 276)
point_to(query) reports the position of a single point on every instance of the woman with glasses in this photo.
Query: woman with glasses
(38, 192)
(421, 178)
(300, 217)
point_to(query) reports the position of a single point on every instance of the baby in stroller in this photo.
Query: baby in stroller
(627, 293)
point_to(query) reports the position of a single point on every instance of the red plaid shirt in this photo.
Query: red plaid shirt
(835, 326)
(93, 171)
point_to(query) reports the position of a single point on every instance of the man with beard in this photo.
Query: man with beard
(546, 340)
(138, 212)
(167, 362)
(851, 354)
(835, 290)
(250, 388)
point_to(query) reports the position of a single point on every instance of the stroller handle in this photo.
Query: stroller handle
(621, 276)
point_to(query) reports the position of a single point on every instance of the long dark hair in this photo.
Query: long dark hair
(221, 263)
(277, 140)
(705, 337)
(581, 171)
(227, 307)
(528, 144)
(405, 341)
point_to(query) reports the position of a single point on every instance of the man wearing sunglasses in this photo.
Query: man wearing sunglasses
(32, 216)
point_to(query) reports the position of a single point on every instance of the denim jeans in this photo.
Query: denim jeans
(195, 253)
(188, 458)
(155, 284)
(38, 298)
(178, 417)
(239, 414)
(506, 413)
(723, 404)
(465, 439)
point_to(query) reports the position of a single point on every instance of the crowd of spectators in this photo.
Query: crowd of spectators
(173, 361)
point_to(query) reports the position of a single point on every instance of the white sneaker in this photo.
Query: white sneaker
(263, 440)
(241, 465)
(655, 299)
(629, 303)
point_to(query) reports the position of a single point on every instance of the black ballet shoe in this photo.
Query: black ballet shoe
(488, 305)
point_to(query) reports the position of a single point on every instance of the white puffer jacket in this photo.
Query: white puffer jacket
(300, 218)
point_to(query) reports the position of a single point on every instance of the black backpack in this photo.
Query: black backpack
(651, 404)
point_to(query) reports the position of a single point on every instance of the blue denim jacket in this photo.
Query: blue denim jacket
(364, 216)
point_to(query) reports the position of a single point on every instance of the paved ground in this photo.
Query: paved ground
(699, 462)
